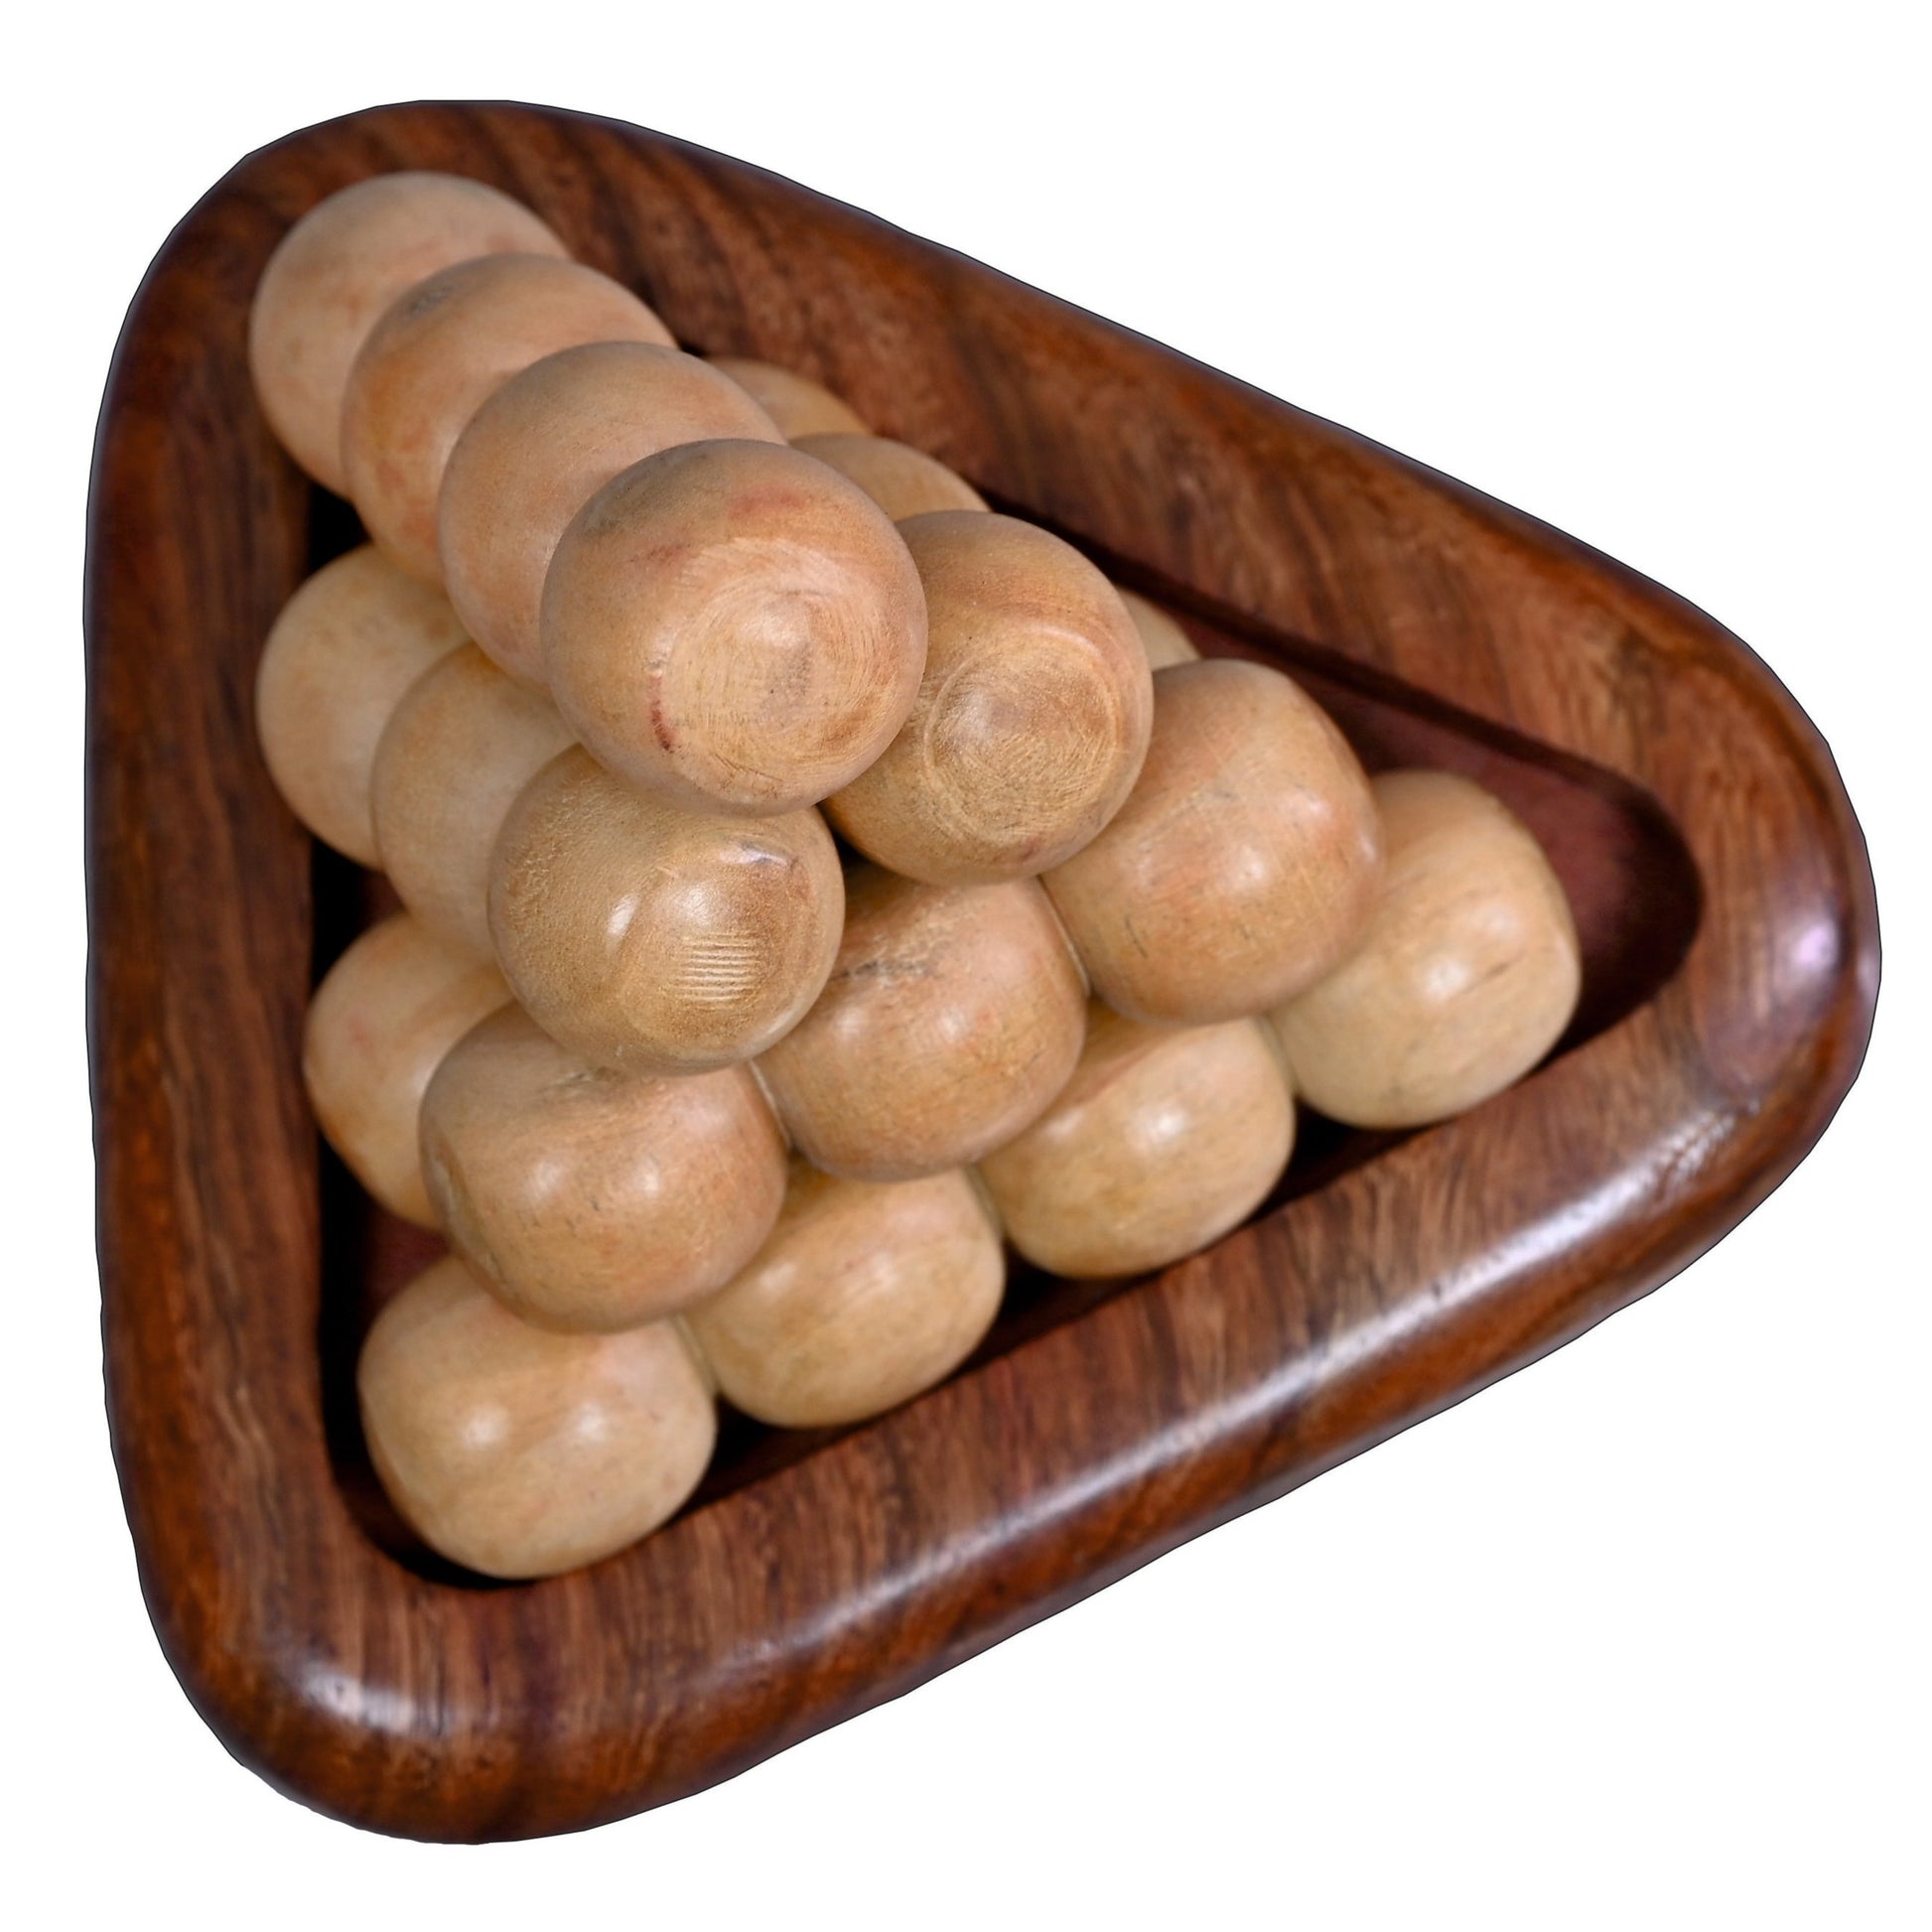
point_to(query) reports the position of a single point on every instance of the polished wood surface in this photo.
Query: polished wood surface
(1723, 901)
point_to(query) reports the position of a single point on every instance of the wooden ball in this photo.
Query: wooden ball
(335, 271)
(437, 354)
(664, 941)
(901, 481)
(379, 1023)
(1466, 975)
(863, 1295)
(953, 1016)
(734, 626)
(540, 449)
(1164, 1140)
(1243, 865)
(586, 1198)
(459, 746)
(346, 646)
(1162, 637)
(1031, 722)
(798, 405)
(519, 1453)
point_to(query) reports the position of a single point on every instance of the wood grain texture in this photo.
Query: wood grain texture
(1723, 904)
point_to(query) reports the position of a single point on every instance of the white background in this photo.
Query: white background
(1637, 1638)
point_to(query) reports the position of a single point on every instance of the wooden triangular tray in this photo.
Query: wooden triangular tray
(1718, 874)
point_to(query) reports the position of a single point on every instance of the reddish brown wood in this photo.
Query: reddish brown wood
(1678, 784)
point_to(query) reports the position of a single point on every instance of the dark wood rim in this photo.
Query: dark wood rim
(857, 1572)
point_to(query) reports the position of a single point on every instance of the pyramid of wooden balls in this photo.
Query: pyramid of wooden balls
(814, 885)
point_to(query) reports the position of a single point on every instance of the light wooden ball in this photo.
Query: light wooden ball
(335, 271)
(863, 1295)
(437, 354)
(1031, 719)
(457, 750)
(1162, 637)
(660, 940)
(1243, 865)
(346, 646)
(540, 449)
(901, 481)
(520, 1453)
(586, 1198)
(1162, 1141)
(379, 1023)
(1466, 975)
(798, 405)
(953, 1016)
(734, 626)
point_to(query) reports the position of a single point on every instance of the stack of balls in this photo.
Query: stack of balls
(813, 883)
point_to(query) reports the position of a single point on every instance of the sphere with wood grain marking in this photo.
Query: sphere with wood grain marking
(1466, 975)
(1164, 1140)
(519, 1451)
(383, 1018)
(660, 940)
(734, 626)
(459, 746)
(589, 1198)
(1161, 636)
(1243, 865)
(865, 1295)
(339, 268)
(540, 449)
(953, 1016)
(901, 481)
(798, 405)
(345, 648)
(1031, 719)
(439, 351)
